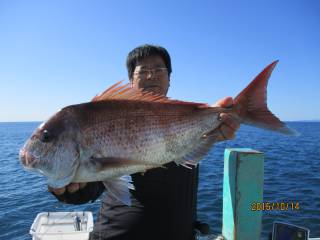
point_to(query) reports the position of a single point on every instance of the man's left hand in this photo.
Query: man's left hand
(229, 125)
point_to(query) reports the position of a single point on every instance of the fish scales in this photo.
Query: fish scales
(146, 131)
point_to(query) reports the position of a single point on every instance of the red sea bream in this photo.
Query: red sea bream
(124, 131)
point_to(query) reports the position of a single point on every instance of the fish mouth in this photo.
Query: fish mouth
(27, 159)
(56, 176)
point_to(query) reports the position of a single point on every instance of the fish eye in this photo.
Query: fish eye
(45, 136)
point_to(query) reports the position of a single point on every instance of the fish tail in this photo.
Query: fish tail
(251, 105)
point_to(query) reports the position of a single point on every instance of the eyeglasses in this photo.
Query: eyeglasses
(154, 71)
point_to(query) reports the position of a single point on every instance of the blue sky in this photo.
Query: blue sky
(57, 53)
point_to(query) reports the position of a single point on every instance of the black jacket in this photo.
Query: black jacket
(163, 206)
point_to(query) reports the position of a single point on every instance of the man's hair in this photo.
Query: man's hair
(144, 51)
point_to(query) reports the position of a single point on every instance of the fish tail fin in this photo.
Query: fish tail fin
(251, 105)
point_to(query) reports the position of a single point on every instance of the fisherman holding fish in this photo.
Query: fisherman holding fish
(134, 129)
(164, 202)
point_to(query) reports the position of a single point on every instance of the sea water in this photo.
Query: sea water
(291, 174)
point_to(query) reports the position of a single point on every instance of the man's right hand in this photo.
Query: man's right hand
(78, 193)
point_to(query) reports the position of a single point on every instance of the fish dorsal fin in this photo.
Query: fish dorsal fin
(120, 91)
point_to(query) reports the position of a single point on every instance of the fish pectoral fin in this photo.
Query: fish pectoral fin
(101, 163)
(119, 188)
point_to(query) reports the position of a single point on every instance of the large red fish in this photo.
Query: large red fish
(124, 131)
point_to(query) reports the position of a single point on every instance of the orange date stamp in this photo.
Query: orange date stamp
(275, 206)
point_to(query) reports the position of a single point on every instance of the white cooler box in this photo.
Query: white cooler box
(62, 226)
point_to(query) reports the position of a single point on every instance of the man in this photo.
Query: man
(164, 199)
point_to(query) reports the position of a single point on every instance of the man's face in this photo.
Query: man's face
(150, 74)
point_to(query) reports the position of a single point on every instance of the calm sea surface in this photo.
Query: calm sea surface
(292, 173)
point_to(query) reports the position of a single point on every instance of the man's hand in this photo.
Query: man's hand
(78, 193)
(71, 188)
(229, 125)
